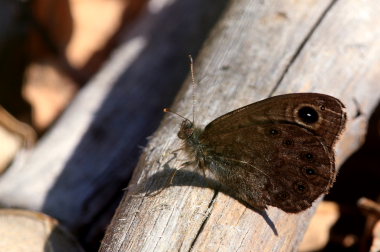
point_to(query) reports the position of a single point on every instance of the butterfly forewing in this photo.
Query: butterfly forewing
(286, 108)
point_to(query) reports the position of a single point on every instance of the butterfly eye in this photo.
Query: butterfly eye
(308, 115)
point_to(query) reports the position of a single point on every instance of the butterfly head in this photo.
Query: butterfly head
(186, 130)
(187, 127)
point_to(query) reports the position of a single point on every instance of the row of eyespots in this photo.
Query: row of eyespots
(309, 157)
(298, 186)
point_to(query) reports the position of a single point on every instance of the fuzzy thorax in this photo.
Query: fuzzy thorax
(192, 139)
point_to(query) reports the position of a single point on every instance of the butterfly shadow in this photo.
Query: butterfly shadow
(161, 180)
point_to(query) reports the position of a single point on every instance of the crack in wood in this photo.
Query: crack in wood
(302, 45)
(209, 207)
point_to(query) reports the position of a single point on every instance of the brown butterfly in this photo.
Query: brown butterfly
(278, 151)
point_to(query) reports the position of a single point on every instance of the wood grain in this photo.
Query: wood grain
(257, 50)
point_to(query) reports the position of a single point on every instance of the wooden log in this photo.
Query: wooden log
(257, 49)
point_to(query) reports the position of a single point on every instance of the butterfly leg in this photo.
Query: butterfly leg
(174, 152)
(202, 166)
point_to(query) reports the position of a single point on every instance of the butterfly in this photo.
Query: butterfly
(277, 152)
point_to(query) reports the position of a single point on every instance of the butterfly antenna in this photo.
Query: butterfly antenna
(167, 110)
(193, 80)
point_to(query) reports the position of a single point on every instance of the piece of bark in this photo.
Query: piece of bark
(23, 230)
(258, 49)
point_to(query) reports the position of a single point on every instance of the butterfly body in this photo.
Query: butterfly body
(277, 152)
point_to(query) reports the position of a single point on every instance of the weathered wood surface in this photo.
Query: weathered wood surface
(78, 170)
(258, 49)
